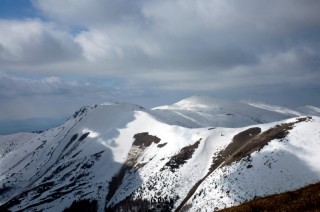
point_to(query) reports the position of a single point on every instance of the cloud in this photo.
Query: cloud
(23, 97)
(90, 13)
(203, 38)
(162, 46)
(34, 42)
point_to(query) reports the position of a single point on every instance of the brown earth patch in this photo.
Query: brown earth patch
(161, 145)
(141, 142)
(144, 139)
(140, 165)
(242, 145)
(181, 158)
(304, 199)
(249, 141)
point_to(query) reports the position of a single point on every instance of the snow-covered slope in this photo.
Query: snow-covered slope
(203, 111)
(124, 157)
(285, 164)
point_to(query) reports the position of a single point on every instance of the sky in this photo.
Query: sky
(58, 55)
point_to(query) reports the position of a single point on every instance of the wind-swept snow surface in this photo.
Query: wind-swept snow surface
(203, 111)
(284, 164)
(124, 157)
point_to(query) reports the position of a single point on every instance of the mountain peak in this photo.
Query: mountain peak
(197, 154)
(196, 102)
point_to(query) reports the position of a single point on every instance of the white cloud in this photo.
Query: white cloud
(126, 38)
(33, 42)
(95, 45)
(157, 46)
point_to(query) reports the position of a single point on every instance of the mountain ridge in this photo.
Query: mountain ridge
(122, 156)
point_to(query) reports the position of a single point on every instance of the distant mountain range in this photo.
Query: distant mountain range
(199, 154)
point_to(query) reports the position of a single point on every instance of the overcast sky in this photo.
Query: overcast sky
(57, 55)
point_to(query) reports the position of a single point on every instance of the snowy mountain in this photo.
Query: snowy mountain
(199, 154)
(202, 111)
